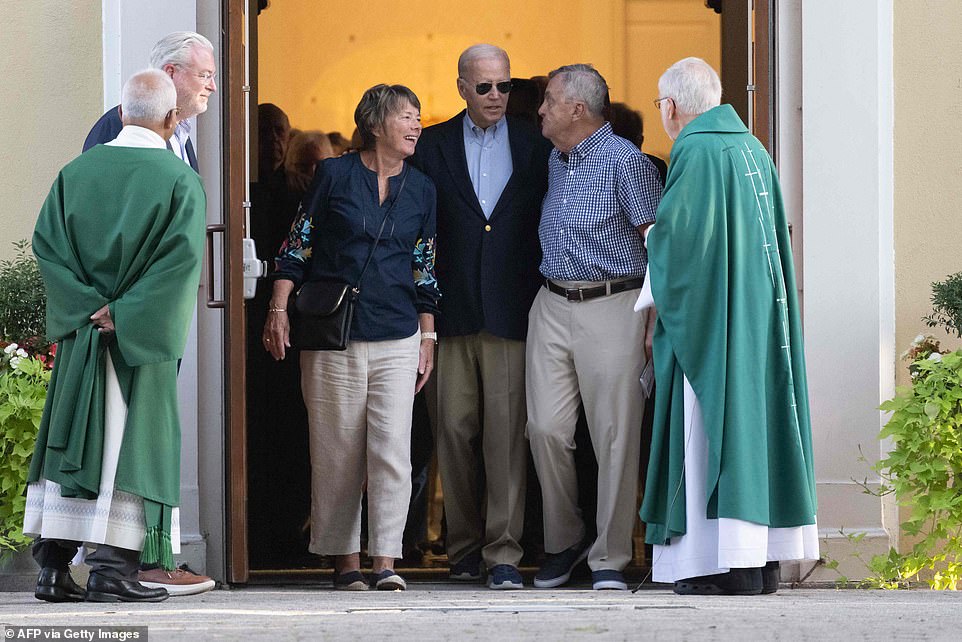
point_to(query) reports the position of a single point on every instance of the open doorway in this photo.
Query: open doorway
(313, 60)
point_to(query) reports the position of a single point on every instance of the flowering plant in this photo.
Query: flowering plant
(24, 378)
(924, 347)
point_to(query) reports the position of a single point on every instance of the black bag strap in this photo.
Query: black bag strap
(356, 290)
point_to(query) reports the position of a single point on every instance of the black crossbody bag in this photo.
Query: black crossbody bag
(321, 311)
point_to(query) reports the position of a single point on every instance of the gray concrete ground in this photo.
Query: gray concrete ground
(429, 611)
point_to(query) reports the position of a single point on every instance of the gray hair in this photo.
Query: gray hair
(175, 48)
(377, 103)
(481, 52)
(148, 96)
(692, 84)
(583, 83)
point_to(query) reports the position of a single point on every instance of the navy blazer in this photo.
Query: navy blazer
(109, 125)
(487, 270)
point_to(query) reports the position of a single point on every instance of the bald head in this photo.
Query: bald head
(149, 100)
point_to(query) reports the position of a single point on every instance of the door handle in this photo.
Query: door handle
(212, 302)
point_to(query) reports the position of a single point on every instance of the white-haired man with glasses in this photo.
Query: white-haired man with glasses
(730, 489)
(188, 58)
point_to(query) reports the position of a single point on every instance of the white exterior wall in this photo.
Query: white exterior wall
(131, 28)
(848, 256)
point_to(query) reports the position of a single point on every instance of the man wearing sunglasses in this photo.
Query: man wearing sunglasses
(490, 171)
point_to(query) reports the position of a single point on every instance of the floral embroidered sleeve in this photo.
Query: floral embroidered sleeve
(294, 257)
(297, 245)
(422, 262)
(296, 249)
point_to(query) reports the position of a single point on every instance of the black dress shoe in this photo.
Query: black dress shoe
(56, 585)
(771, 574)
(738, 581)
(104, 589)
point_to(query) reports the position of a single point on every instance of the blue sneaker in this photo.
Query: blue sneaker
(505, 576)
(468, 568)
(608, 579)
(557, 567)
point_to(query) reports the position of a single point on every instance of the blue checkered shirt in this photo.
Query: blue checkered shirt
(597, 198)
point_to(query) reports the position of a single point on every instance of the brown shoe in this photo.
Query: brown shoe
(180, 581)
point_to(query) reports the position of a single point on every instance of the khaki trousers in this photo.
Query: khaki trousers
(481, 404)
(589, 352)
(359, 405)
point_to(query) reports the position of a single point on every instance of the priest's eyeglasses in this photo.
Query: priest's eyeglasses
(504, 87)
(658, 101)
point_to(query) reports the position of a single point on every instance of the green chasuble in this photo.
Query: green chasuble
(720, 264)
(122, 227)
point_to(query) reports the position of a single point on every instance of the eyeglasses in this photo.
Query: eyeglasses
(482, 88)
(658, 101)
(206, 76)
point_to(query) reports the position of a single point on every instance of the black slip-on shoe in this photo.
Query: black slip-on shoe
(57, 585)
(738, 581)
(771, 574)
(104, 589)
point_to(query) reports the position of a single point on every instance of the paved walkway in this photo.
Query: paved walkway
(443, 612)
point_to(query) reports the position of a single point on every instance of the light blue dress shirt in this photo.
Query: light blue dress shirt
(488, 153)
(178, 142)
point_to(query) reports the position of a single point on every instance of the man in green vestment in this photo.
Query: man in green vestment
(730, 489)
(119, 243)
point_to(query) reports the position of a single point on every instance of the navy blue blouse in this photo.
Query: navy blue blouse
(333, 232)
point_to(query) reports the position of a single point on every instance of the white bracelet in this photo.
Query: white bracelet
(433, 336)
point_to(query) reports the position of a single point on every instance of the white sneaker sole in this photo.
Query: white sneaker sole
(610, 585)
(392, 583)
(176, 590)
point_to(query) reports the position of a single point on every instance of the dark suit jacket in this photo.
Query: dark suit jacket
(109, 125)
(487, 270)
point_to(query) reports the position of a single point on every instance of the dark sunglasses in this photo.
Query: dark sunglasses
(484, 87)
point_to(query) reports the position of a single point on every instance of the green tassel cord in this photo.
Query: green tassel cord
(157, 548)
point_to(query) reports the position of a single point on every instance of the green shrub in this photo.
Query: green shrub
(23, 301)
(947, 305)
(25, 362)
(922, 470)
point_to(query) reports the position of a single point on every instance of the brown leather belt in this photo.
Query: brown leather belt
(595, 291)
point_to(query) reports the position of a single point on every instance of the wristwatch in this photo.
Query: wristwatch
(433, 336)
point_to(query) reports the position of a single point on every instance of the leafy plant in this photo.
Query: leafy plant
(23, 301)
(947, 305)
(923, 470)
(23, 389)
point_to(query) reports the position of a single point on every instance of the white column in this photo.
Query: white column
(848, 254)
(131, 28)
